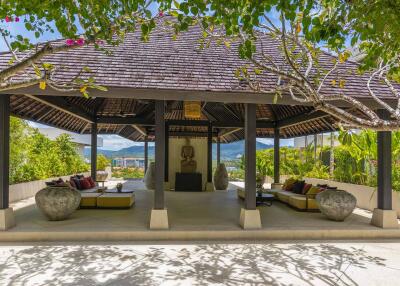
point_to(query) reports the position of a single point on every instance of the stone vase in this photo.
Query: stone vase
(149, 177)
(221, 179)
(101, 175)
(58, 203)
(336, 204)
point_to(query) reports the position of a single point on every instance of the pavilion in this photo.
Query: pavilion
(148, 84)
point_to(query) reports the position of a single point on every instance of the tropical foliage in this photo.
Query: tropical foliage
(102, 162)
(128, 173)
(33, 156)
(355, 160)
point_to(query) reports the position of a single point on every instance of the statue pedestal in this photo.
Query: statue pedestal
(188, 182)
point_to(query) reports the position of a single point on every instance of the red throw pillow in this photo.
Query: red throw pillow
(85, 184)
(92, 182)
(306, 188)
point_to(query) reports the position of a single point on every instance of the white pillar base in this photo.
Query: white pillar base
(384, 218)
(167, 186)
(276, 186)
(7, 219)
(250, 219)
(210, 187)
(159, 219)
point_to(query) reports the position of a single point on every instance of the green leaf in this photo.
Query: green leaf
(37, 71)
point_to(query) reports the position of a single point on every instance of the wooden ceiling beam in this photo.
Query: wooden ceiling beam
(145, 122)
(301, 118)
(61, 104)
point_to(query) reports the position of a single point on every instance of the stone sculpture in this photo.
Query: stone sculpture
(149, 177)
(336, 204)
(188, 165)
(58, 203)
(221, 179)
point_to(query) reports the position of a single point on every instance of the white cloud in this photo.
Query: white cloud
(269, 141)
(116, 142)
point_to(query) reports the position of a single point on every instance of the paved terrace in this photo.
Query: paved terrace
(192, 216)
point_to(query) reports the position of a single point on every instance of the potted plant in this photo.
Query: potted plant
(102, 164)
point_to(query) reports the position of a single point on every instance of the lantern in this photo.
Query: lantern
(192, 109)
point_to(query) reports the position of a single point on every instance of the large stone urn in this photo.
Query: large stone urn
(58, 203)
(101, 176)
(221, 179)
(149, 177)
(336, 204)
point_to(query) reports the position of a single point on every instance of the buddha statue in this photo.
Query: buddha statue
(188, 165)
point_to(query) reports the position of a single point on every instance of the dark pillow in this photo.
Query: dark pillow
(77, 183)
(72, 183)
(298, 187)
(331, 188)
(306, 188)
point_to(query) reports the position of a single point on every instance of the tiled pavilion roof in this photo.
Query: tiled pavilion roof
(137, 73)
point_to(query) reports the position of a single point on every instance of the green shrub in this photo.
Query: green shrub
(33, 156)
(102, 162)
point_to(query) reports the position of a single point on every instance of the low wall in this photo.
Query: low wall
(29, 189)
(366, 196)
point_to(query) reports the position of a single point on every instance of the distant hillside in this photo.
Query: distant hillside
(229, 151)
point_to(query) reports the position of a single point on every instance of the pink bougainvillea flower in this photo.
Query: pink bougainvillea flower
(100, 42)
(8, 19)
(160, 13)
(80, 42)
(70, 42)
(16, 19)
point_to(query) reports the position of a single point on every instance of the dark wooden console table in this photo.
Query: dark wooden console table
(188, 182)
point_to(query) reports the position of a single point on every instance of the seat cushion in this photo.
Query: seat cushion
(273, 192)
(89, 199)
(284, 196)
(300, 202)
(116, 200)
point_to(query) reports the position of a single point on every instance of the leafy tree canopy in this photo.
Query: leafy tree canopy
(302, 27)
(372, 26)
(34, 156)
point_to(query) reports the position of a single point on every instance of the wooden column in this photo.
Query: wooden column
(93, 157)
(250, 156)
(166, 167)
(209, 153)
(218, 150)
(159, 154)
(384, 166)
(146, 153)
(4, 150)
(276, 156)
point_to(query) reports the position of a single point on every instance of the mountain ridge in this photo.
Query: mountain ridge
(229, 151)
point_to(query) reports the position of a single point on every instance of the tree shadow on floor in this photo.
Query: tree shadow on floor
(205, 264)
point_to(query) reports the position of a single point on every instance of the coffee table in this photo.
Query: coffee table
(264, 199)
